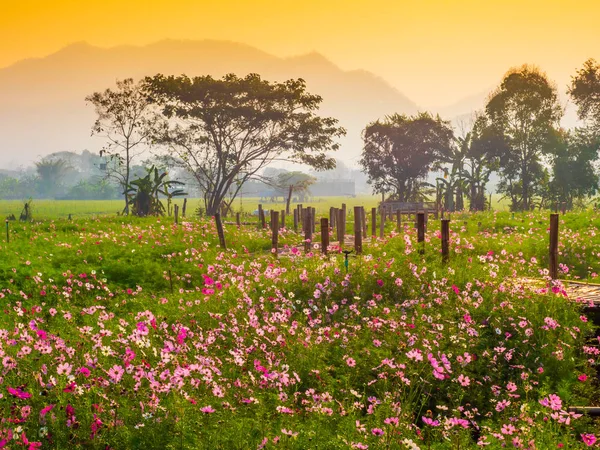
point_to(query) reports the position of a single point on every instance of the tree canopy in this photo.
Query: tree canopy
(524, 112)
(226, 130)
(399, 152)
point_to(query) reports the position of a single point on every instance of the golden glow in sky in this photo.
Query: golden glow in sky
(434, 51)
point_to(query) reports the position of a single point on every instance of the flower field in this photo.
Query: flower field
(138, 333)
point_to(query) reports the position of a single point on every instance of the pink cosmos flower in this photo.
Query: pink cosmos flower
(351, 362)
(377, 432)
(582, 377)
(588, 439)
(207, 409)
(19, 393)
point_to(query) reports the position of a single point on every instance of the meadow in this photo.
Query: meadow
(122, 332)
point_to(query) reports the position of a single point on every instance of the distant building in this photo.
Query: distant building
(333, 188)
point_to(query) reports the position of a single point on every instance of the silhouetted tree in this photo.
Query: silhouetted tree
(573, 160)
(585, 93)
(525, 112)
(399, 152)
(125, 120)
(226, 130)
(51, 173)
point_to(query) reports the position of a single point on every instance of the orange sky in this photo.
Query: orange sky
(434, 51)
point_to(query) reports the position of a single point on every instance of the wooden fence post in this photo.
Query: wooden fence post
(341, 227)
(282, 225)
(332, 217)
(275, 231)
(313, 214)
(259, 216)
(357, 230)
(307, 230)
(184, 207)
(554, 246)
(445, 239)
(363, 220)
(373, 223)
(263, 219)
(421, 231)
(238, 222)
(382, 223)
(176, 214)
(220, 230)
(398, 221)
(296, 220)
(324, 235)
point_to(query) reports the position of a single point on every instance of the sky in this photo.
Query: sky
(434, 51)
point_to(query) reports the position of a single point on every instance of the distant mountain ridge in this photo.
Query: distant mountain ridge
(42, 106)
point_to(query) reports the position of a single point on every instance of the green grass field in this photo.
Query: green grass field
(55, 209)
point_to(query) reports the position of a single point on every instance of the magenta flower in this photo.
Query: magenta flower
(19, 393)
(588, 439)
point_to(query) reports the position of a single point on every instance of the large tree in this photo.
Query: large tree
(51, 175)
(585, 93)
(399, 152)
(225, 131)
(524, 111)
(124, 118)
(573, 160)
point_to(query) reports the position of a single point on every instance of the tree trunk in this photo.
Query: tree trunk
(525, 181)
(126, 187)
(289, 199)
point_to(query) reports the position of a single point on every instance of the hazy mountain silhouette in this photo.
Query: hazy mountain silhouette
(42, 106)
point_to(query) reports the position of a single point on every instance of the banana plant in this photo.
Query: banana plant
(143, 193)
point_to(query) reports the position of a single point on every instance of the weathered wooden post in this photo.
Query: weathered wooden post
(332, 217)
(341, 227)
(183, 210)
(324, 235)
(301, 216)
(554, 246)
(363, 221)
(282, 225)
(238, 222)
(176, 214)
(398, 221)
(274, 231)
(382, 223)
(313, 214)
(296, 220)
(7, 235)
(445, 239)
(263, 219)
(357, 230)
(307, 230)
(344, 217)
(373, 223)
(421, 232)
(259, 216)
(220, 230)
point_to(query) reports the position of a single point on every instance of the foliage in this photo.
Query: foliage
(574, 176)
(524, 112)
(585, 93)
(124, 119)
(143, 193)
(51, 174)
(400, 151)
(225, 131)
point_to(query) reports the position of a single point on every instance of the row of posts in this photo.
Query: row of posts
(337, 221)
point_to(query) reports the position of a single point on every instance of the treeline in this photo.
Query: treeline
(217, 135)
(517, 135)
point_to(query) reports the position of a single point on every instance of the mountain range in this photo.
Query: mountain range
(43, 108)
